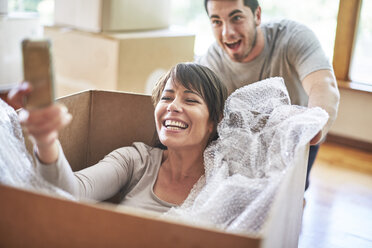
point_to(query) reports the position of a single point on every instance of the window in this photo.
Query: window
(191, 15)
(44, 8)
(361, 63)
(349, 41)
(319, 15)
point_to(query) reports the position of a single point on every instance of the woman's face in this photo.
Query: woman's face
(182, 118)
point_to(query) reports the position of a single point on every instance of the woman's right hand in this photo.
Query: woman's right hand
(41, 124)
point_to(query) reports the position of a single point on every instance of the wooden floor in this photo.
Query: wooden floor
(338, 211)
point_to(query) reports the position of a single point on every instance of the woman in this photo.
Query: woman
(188, 103)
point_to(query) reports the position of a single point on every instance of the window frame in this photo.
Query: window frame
(346, 31)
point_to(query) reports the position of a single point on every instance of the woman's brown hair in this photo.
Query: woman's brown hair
(201, 79)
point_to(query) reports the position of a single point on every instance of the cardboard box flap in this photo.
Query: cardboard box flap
(76, 135)
(53, 222)
(119, 120)
(283, 224)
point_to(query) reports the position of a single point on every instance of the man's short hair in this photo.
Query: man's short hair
(252, 4)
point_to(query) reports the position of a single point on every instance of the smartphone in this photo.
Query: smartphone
(38, 72)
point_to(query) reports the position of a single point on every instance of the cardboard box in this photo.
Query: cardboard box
(129, 62)
(102, 122)
(112, 15)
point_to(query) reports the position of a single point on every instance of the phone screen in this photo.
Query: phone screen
(37, 70)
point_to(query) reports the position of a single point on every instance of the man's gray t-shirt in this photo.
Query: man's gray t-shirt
(291, 51)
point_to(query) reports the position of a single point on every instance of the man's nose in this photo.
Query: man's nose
(227, 30)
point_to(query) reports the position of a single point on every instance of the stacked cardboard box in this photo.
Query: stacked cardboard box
(114, 44)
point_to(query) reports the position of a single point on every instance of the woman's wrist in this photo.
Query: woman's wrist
(47, 153)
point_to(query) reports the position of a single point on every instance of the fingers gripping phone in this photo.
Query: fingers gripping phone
(38, 72)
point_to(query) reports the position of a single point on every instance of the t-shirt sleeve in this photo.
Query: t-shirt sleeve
(97, 182)
(305, 52)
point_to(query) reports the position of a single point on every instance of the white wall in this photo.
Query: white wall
(13, 29)
(355, 115)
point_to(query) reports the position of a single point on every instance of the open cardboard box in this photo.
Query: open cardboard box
(104, 121)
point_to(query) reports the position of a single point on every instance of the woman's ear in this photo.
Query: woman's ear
(211, 127)
(220, 118)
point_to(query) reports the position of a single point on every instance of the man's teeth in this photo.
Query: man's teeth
(232, 44)
(175, 124)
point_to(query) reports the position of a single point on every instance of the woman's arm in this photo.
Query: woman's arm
(97, 182)
(42, 124)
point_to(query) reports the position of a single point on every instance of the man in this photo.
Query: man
(246, 52)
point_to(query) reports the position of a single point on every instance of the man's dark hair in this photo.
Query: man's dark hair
(252, 4)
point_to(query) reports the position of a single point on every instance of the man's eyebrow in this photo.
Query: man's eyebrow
(234, 12)
(230, 15)
(214, 16)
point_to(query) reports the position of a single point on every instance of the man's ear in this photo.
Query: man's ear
(257, 16)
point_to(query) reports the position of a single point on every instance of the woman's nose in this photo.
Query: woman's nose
(174, 106)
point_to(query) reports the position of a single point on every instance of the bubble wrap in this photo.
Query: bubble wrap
(16, 165)
(258, 139)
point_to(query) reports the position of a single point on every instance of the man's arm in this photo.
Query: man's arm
(321, 87)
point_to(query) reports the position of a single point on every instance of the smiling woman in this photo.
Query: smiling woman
(189, 102)
(190, 86)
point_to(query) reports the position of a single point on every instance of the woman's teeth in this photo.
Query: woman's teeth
(175, 124)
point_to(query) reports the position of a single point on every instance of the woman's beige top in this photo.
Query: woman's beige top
(131, 170)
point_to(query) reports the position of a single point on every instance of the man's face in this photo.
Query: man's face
(234, 27)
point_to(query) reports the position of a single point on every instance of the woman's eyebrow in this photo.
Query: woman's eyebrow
(192, 92)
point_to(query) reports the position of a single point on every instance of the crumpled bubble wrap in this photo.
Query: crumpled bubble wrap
(258, 139)
(16, 165)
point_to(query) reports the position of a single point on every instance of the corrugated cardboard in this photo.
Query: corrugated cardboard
(129, 62)
(112, 15)
(102, 122)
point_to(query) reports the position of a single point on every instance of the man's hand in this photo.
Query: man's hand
(316, 139)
